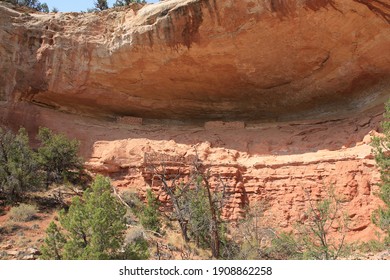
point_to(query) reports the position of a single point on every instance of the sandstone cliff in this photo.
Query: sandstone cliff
(308, 77)
(230, 59)
(281, 165)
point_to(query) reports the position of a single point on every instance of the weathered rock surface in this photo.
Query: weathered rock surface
(206, 59)
(183, 75)
(283, 164)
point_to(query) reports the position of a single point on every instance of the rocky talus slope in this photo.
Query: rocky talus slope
(278, 98)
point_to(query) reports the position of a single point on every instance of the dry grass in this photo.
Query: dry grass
(23, 213)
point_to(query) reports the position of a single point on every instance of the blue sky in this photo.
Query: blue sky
(76, 5)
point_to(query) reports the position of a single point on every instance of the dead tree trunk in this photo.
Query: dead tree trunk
(214, 225)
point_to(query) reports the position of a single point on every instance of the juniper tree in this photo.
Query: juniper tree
(93, 228)
(149, 217)
(58, 157)
(95, 224)
(53, 244)
(19, 168)
(119, 3)
(101, 5)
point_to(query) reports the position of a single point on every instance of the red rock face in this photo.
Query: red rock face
(282, 165)
(278, 98)
(204, 59)
(304, 164)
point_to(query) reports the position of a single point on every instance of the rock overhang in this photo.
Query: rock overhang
(202, 59)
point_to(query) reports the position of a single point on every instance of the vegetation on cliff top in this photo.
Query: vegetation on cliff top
(99, 5)
(33, 4)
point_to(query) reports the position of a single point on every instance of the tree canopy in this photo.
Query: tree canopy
(23, 169)
(94, 228)
(34, 4)
(19, 168)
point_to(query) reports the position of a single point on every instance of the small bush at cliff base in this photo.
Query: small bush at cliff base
(372, 246)
(149, 216)
(23, 213)
(314, 240)
(138, 249)
(251, 235)
(197, 211)
(58, 157)
(285, 247)
(94, 228)
(133, 201)
(19, 168)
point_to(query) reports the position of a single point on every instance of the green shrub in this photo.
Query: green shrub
(53, 244)
(132, 200)
(372, 246)
(23, 170)
(285, 247)
(34, 4)
(314, 240)
(23, 213)
(199, 221)
(95, 223)
(149, 216)
(10, 227)
(19, 168)
(138, 249)
(94, 229)
(58, 157)
(101, 5)
(120, 3)
(136, 246)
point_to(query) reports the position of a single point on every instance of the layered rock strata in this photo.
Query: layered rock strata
(279, 99)
(204, 59)
(283, 167)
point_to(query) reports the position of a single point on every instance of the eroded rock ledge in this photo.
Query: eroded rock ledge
(282, 166)
(205, 59)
